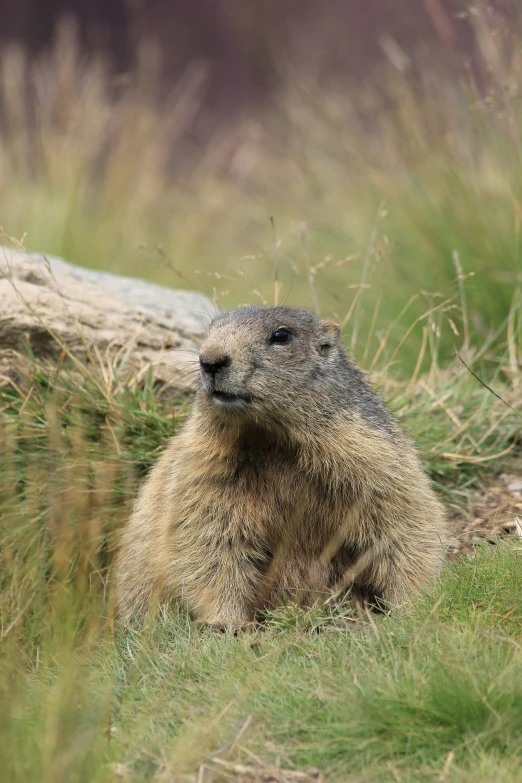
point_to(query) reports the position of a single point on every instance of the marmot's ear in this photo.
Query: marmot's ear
(329, 338)
(332, 330)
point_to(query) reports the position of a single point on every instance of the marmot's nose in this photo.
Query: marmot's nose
(212, 365)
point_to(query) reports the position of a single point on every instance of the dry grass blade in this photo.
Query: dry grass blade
(251, 773)
(485, 385)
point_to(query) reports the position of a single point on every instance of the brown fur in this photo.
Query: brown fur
(301, 485)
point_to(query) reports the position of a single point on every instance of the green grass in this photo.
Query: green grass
(436, 687)
(394, 697)
(401, 692)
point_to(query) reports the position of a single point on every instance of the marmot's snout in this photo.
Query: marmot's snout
(212, 365)
(218, 381)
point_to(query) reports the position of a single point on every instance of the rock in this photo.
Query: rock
(98, 317)
(515, 486)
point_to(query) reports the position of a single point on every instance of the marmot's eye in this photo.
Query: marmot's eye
(281, 336)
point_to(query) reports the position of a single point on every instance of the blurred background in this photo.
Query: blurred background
(362, 159)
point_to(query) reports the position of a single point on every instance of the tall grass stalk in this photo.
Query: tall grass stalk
(101, 173)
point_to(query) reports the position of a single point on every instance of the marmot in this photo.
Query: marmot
(289, 480)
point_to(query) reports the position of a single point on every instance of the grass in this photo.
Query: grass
(434, 690)
(399, 694)
(377, 196)
(408, 234)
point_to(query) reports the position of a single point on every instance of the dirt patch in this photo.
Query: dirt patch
(493, 509)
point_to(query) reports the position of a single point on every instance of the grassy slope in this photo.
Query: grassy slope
(436, 688)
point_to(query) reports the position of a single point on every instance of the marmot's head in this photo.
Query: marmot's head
(265, 362)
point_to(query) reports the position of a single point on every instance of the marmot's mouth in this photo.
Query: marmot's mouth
(230, 399)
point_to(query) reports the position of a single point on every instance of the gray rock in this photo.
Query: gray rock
(189, 309)
(129, 323)
(515, 486)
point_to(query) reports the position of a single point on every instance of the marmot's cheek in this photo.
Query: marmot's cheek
(235, 381)
(259, 388)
